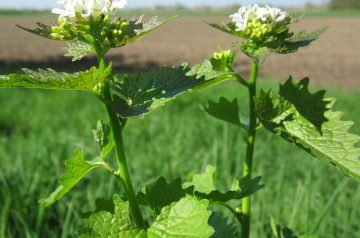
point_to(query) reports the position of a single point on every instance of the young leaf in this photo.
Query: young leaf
(205, 182)
(186, 218)
(162, 194)
(78, 49)
(143, 28)
(104, 138)
(205, 187)
(88, 80)
(281, 232)
(40, 30)
(223, 228)
(224, 110)
(110, 221)
(334, 145)
(136, 94)
(77, 168)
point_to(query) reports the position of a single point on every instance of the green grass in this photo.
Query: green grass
(40, 129)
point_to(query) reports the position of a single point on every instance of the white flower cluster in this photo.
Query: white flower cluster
(87, 8)
(250, 13)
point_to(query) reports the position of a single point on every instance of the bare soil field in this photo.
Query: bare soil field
(331, 61)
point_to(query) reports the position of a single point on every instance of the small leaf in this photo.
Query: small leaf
(77, 168)
(162, 194)
(186, 218)
(40, 30)
(143, 28)
(205, 187)
(78, 49)
(104, 138)
(88, 80)
(110, 221)
(205, 182)
(223, 228)
(245, 187)
(225, 110)
(136, 94)
(284, 232)
(310, 106)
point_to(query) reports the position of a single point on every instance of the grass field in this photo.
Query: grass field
(40, 129)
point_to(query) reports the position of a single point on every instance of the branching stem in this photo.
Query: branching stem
(246, 202)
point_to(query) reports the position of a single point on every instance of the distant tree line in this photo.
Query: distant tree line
(345, 4)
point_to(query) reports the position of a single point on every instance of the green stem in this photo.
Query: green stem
(118, 125)
(246, 202)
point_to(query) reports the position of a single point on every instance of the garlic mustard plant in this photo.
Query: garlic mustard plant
(300, 117)
(180, 208)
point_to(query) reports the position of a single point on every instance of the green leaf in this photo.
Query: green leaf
(223, 228)
(162, 193)
(110, 221)
(293, 44)
(186, 218)
(310, 106)
(225, 110)
(281, 232)
(40, 30)
(143, 28)
(205, 182)
(77, 168)
(205, 187)
(78, 49)
(89, 80)
(104, 138)
(136, 94)
(334, 145)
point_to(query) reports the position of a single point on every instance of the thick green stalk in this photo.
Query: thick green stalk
(246, 202)
(118, 125)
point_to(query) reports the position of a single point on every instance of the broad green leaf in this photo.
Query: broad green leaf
(88, 80)
(104, 138)
(311, 106)
(110, 221)
(162, 193)
(77, 168)
(78, 49)
(225, 110)
(205, 187)
(183, 219)
(334, 145)
(223, 228)
(136, 94)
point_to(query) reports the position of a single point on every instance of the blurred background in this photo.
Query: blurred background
(40, 129)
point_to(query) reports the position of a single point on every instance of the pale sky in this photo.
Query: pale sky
(44, 4)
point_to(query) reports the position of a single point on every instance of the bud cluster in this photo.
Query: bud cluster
(258, 23)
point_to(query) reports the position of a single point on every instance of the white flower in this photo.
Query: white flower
(87, 8)
(249, 13)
